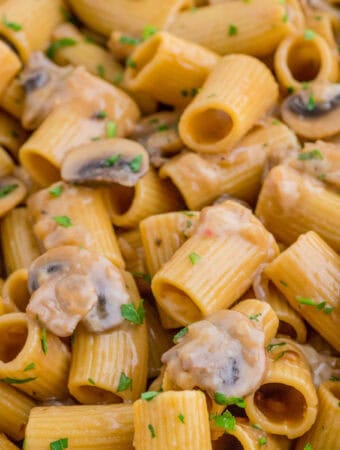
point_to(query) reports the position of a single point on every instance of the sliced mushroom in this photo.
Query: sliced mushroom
(314, 113)
(12, 192)
(70, 284)
(107, 161)
(222, 353)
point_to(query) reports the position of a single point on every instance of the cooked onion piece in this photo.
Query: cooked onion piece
(12, 192)
(107, 161)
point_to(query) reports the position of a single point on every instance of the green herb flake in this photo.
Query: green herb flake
(184, 92)
(232, 31)
(270, 347)
(30, 366)
(162, 127)
(194, 258)
(101, 115)
(131, 63)
(226, 421)
(57, 45)
(133, 314)
(256, 426)
(136, 163)
(322, 176)
(221, 399)
(322, 306)
(63, 221)
(309, 35)
(148, 31)
(290, 89)
(125, 383)
(255, 317)
(148, 396)
(308, 446)
(100, 70)
(11, 25)
(91, 381)
(313, 154)
(5, 190)
(318, 17)
(111, 161)
(68, 16)
(10, 380)
(152, 431)
(305, 85)
(56, 191)
(311, 103)
(111, 129)
(306, 301)
(262, 441)
(89, 40)
(118, 78)
(279, 356)
(276, 122)
(334, 378)
(180, 334)
(188, 213)
(145, 276)
(285, 18)
(24, 444)
(129, 40)
(44, 345)
(60, 444)
(181, 418)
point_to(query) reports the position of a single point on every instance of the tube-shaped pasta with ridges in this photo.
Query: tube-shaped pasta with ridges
(227, 27)
(15, 290)
(279, 207)
(12, 99)
(202, 178)
(33, 360)
(87, 221)
(6, 444)
(169, 68)
(130, 18)
(18, 242)
(263, 316)
(14, 411)
(308, 275)
(171, 421)
(228, 105)
(286, 402)
(6, 163)
(325, 432)
(127, 206)
(102, 363)
(10, 65)
(322, 23)
(12, 135)
(204, 275)
(33, 23)
(93, 427)
(302, 58)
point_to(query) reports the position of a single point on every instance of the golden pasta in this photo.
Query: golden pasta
(6, 444)
(15, 290)
(10, 65)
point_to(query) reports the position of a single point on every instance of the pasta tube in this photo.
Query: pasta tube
(6, 163)
(19, 246)
(6, 444)
(14, 411)
(279, 207)
(95, 427)
(239, 27)
(286, 402)
(204, 275)
(302, 58)
(10, 65)
(12, 136)
(228, 105)
(299, 273)
(202, 178)
(167, 422)
(168, 68)
(75, 216)
(13, 98)
(110, 367)
(15, 290)
(325, 431)
(127, 206)
(33, 360)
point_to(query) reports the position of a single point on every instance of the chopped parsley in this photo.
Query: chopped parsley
(60, 444)
(262, 441)
(309, 35)
(232, 31)
(256, 426)
(129, 40)
(149, 395)
(226, 420)
(255, 316)
(125, 383)
(29, 367)
(63, 221)
(10, 380)
(163, 127)
(188, 213)
(311, 302)
(146, 277)
(276, 122)
(100, 70)
(283, 283)
(136, 163)
(285, 18)
(192, 92)
(152, 430)
(181, 417)
(118, 78)
(311, 103)
(131, 63)
(44, 345)
(334, 378)
(148, 31)
(290, 89)
(279, 356)
(194, 258)
(91, 381)
(221, 399)
(111, 160)
(111, 129)
(133, 314)
(56, 191)
(60, 43)
(101, 115)
(270, 347)
(313, 154)
(308, 446)
(180, 334)
(5, 190)
(11, 25)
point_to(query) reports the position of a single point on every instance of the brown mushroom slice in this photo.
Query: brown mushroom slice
(71, 284)
(223, 353)
(314, 113)
(12, 192)
(107, 161)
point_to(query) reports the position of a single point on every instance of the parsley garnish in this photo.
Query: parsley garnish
(125, 383)
(232, 31)
(136, 163)
(44, 341)
(56, 191)
(60, 43)
(311, 302)
(111, 160)
(91, 381)
(163, 127)
(290, 89)
(118, 78)
(308, 446)
(10, 380)
(60, 444)
(334, 378)
(152, 430)
(129, 40)
(285, 18)
(181, 417)
(149, 31)
(131, 63)
(311, 103)
(180, 334)
(149, 395)
(146, 277)
(283, 283)
(111, 129)
(194, 258)
(308, 35)
(100, 70)
(29, 367)
(270, 347)
(255, 316)
(101, 115)
(256, 426)
(5, 190)
(225, 420)
(12, 25)
(262, 441)
(279, 356)
(188, 213)
(133, 314)
(276, 122)
(63, 221)
(221, 399)
(313, 154)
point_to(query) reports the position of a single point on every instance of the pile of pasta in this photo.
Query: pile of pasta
(170, 224)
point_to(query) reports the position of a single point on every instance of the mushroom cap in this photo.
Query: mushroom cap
(12, 192)
(70, 284)
(106, 161)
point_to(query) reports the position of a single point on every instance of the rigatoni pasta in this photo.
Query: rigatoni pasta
(6, 444)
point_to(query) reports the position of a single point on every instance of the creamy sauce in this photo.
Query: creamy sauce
(223, 353)
(70, 285)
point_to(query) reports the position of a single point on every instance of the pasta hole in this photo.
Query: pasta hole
(41, 170)
(229, 442)
(280, 403)
(287, 329)
(179, 304)
(13, 338)
(93, 395)
(304, 61)
(209, 126)
(121, 198)
(145, 55)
